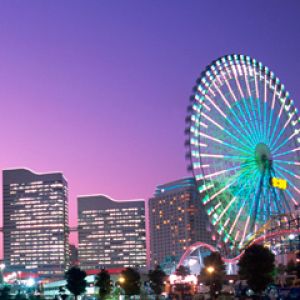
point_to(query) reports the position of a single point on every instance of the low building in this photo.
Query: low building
(112, 233)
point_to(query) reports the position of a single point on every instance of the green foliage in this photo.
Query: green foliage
(76, 282)
(104, 283)
(214, 279)
(157, 277)
(182, 271)
(5, 293)
(182, 287)
(257, 266)
(131, 284)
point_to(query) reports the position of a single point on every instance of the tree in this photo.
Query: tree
(214, 272)
(76, 282)
(181, 287)
(5, 293)
(131, 281)
(104, 283)
(182, 271)
(256, 266)
(20, 296)
(157, 277)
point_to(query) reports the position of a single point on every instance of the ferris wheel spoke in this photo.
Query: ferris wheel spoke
(272, 108)
(242, 135)
(257, 95)
(287, 162)
(236, 103)
(282, 130)
(245, 174)
(257, 199)
(255, 123)
(287, 204)
(265, 105)
(287, 152)
(245, 136)
(288, 172)
(285, 141)
(222, 156)
(225, 143)
(260, 120)
(255, 128)
(276, 123)
(227, 132)
(254, 131)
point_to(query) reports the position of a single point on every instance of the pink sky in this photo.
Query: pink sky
(99, 90)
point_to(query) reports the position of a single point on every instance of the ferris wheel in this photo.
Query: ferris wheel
(244, 146)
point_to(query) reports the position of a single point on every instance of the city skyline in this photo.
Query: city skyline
(102, 88)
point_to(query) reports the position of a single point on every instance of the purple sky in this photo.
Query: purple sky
(99, 89)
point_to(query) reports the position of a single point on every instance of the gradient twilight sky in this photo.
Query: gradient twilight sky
(99, 89)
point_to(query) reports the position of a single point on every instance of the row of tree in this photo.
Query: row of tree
(129, 282)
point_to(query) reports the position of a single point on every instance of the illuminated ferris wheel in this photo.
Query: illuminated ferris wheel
(244, 146)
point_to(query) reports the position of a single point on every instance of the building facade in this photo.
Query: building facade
(35, 208)
(177, 220)
(111, 233)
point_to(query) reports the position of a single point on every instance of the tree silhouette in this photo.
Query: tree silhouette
(215, 278)
(131, 283)
(257, 266)
(76, 282)
(157, 277)
(182, 271)
(5, 293)
(104, 283)
(180, 286)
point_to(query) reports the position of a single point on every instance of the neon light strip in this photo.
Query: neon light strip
(234, 223)
(284, 142)
(235, 99)
(215, 106)
(244, 233)
(221, 172)
(256, 85)
(282, 129)
(287, 152)
(222, 96)
(287, 171)
(254, 131)
(288, 162)
(212, 121)
(238, 85)
(225, 210)
(244, 202)
(277, 121)
(230, 122)
(247, 82)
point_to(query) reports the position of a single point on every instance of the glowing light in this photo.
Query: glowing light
(279, 183)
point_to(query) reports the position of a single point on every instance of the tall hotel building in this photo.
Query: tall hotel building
(35, 222)
(112, 233)
(177, 220)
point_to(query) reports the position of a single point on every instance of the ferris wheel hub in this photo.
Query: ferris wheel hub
(263, 157)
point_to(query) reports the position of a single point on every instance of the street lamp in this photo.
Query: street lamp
(211, 270)
(121, 279)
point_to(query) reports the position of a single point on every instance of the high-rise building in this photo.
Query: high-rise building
(177, 220)
(112, 233)
(35, 208)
